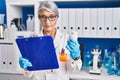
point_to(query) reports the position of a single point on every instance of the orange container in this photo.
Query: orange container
(63, 56)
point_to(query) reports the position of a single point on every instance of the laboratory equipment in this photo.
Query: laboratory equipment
(2, 18)
(30, 22)
(73, 35)
(6, 34)
(87, 59)
(110, 61)
(2, 26)
(33, 23)
(107, 58)
(1, 31)
(12, 31)
(18, 23)
(118, 61)
(94, 69)
(63, 56)
(112, 64)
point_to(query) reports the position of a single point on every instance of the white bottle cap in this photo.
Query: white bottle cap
(73, 35)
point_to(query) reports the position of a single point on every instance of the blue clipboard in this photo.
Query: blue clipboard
(40, 51)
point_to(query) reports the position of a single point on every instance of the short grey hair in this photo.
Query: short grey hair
(49, 6)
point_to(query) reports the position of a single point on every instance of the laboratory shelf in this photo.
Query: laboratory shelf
(21, 2)
(13, 77)
(10, 72)
(19, 34)
(108, 37)
(6, 41)
(84, 74)
(23, 33)
(72, 0)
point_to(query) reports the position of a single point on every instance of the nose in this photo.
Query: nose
(47, 21)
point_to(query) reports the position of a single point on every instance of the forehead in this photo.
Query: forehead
(45, 12)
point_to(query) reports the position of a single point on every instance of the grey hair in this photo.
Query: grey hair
(49, 6)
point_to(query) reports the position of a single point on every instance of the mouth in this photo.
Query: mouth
(48, 26)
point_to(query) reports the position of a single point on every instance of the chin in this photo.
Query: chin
(48, 29)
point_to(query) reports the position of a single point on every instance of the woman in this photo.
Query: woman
(48, 15)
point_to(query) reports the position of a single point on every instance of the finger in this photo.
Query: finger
(24, 60)
(73, 45)
(25, 67)
(72, 41)
(28, 64)
(68, 47)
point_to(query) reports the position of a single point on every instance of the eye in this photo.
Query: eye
(42, 16)
(52, 17)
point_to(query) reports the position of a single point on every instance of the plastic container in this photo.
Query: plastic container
(29, 23)
(32, 23)
(12, 30)
(87, 59)
(2, 31)
(2, 26)
(107, 62)
(2, 18)
(6, 34)
(118, 61)
(73, 35)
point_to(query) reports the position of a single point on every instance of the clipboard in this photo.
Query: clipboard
(40, 51)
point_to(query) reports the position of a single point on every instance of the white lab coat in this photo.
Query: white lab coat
(60, 41)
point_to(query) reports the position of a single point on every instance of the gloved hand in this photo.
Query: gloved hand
(73, 47)
(24, 63)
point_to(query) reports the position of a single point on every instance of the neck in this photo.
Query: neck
(50, 33)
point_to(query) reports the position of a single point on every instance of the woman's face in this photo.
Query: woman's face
(48, 20)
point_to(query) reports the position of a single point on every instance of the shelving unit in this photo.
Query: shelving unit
(14, 10)
(16, 6)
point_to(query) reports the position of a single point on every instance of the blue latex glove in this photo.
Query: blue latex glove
(24, 63)
(73, 47)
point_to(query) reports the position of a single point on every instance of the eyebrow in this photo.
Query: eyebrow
(49, 15)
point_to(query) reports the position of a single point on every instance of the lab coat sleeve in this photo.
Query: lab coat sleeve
(73, 65)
